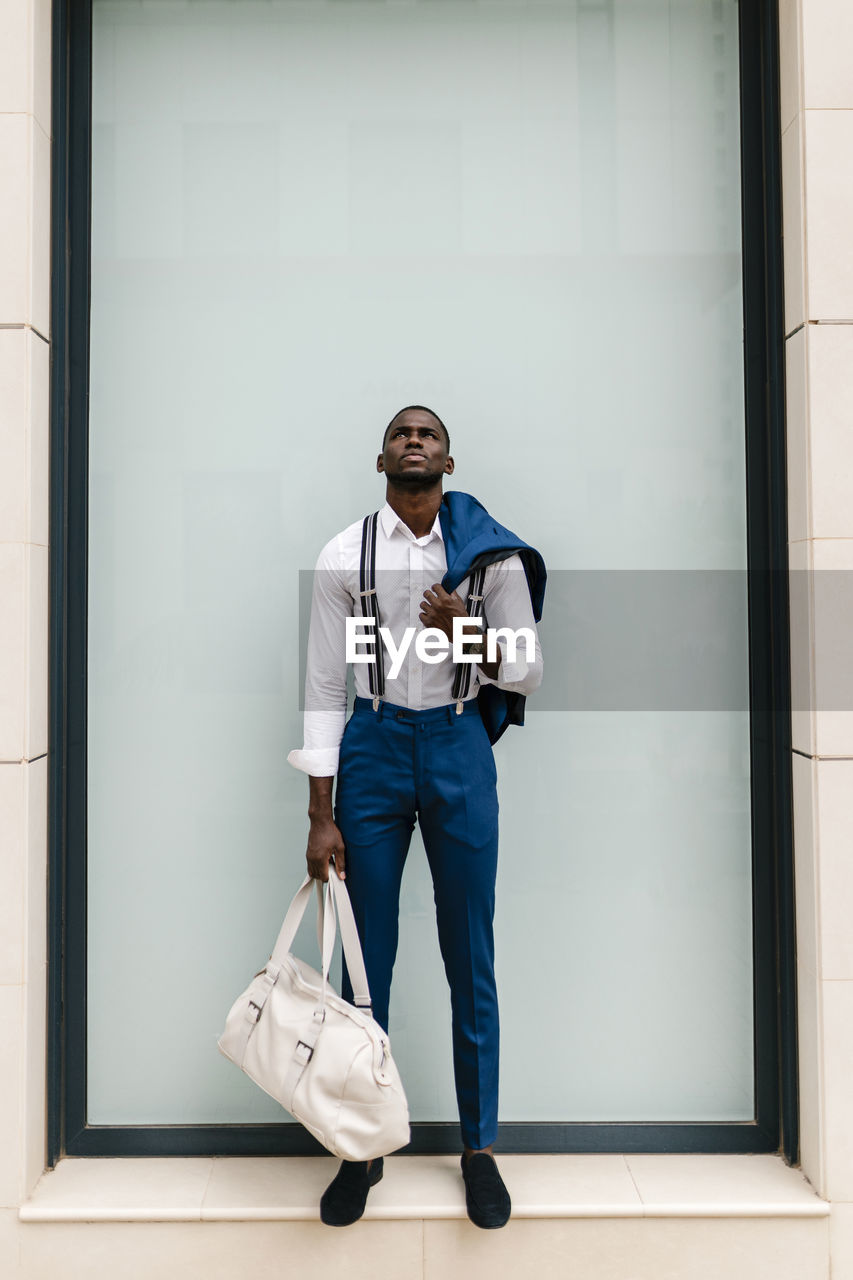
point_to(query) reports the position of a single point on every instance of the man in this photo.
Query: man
(419, 748)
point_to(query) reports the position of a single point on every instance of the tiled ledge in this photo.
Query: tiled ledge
(420, 1188)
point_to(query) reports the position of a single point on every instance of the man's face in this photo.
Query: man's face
(415, 450)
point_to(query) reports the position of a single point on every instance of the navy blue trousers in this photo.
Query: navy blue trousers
(396, 765)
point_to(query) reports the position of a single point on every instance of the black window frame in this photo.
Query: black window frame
(775, 1125)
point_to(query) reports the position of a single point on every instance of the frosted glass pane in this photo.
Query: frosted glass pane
(526, 215)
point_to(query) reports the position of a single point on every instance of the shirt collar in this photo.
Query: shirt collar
(390, 521)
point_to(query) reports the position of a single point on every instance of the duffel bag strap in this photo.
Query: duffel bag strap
(254, 1008)
(303, 1054)
(350, 942)
(336, 909)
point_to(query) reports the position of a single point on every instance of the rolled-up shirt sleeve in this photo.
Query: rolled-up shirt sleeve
(326, 669)
(507, 604)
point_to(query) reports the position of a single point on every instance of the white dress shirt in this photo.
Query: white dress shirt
(405, 567)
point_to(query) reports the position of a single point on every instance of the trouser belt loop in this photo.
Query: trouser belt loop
(380, 710)
(450, 708)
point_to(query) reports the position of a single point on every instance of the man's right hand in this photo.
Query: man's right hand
(325, 846)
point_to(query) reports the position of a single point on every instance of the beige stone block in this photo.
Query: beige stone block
(24, 223)
(830, 414)
(39, 246)
(630, 1249)
(589, 1184)
(14, 55)
(837, 1001)
(11, 1058)
(827, 41)
(41, 15)
(829, 200)
(415, 1187)
(222, 1251)
(14, 399)
(832, 560)
(35, 739)
(14, 218)
(38, 439)
(24, 465)
(35, 956)
(792, 225)
(804, 770)
(277, 1188)
(841, 1240)
(34, 1105)
(35, 1074)
(797, 434)
(810, 1059)
(801, 603)
(25, 58)
(718, 1185)
(10, 1266)
(12, 655)
(12, 871)
(157, 1189)
(790, 61)
(835, 832)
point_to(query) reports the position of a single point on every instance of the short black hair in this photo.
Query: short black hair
(426, 409)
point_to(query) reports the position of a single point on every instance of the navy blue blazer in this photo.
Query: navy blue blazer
(473, 538)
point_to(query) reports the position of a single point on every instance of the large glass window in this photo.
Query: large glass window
(527, 215)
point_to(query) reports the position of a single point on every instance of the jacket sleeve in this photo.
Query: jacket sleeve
(507, 608)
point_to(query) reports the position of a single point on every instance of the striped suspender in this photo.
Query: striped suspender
(462, 677)
(370, 606)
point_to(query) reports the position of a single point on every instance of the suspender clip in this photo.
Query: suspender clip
(459, 707)
(375, 704)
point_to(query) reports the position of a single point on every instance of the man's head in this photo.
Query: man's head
(420, 408)
(415, 449)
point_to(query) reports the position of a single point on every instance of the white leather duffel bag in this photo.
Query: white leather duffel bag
(329, 1064)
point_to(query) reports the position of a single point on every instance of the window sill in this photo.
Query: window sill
(244, 1189)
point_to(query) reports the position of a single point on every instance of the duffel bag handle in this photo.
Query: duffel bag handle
(336, 896)
(292, 921)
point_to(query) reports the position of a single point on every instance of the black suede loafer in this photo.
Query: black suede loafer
(344, 1199)
(486, 1196)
